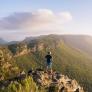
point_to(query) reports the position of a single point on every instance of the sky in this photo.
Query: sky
(24, 18)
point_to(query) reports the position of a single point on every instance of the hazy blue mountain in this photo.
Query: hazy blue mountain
(2, 41)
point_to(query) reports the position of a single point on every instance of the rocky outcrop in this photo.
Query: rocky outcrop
(55, 81)
(22, 50)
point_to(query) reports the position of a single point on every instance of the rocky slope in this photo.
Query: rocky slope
(50, 82)
(55, 82)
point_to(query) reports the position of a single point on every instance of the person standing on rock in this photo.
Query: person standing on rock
(48, 58)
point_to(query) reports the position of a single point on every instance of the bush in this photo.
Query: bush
(26, 85)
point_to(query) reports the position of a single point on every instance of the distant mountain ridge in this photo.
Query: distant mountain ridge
(2, 41)
(81, 42)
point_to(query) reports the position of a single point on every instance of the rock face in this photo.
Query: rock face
(51, 82)
(55, 82)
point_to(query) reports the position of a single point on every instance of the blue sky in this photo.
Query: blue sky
(80, 10)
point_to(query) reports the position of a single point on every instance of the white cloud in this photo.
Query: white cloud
(42, 19)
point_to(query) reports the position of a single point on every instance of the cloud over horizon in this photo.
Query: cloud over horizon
(36, 20)
(39, 21)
